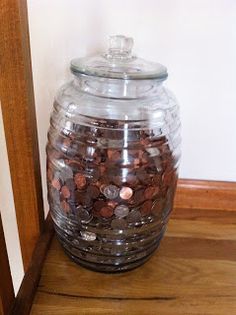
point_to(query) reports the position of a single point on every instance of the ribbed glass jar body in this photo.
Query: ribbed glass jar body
(112, 161)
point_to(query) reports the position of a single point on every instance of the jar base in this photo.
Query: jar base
(112, 268)
(105, 269)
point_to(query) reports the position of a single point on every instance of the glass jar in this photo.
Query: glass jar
(112, 159)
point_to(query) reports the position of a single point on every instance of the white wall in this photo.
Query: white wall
(195, 39)
(7, 209)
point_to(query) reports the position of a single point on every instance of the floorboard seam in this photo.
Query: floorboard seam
(159, 298)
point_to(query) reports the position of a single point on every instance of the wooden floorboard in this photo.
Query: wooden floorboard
(193, 273)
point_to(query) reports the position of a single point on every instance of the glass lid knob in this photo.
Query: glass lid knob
(120, 47)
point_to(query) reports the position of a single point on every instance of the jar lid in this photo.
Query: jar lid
(119, 63)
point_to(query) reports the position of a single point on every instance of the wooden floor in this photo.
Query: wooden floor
(194, 272)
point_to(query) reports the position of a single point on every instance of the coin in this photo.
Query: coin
(80, 180)
(132, 180)
(112, 203)
(156, 179)
(134, 217)
(83, 198)
(121, 211)
(65, 192)
(118, 224)
(111, 191)
(106, 212)
(56, 183)
(113, 155)
(88, 236)
(93, 191)
(143, 177)
(65, 206)
(167, 178)
(83, 215)
(146, 208)
(126, 193)
(139, 196)
(117, 180)
(99, 204)
(151, 191)
(102, 169)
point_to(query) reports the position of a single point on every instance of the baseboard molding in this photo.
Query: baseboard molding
(205, 194)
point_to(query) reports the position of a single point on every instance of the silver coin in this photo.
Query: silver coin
(118, 224)
(88, 236)
(66, 173)
(134, 217)
(83, 215)
(121, 211)
(153, 151)
(111, 191)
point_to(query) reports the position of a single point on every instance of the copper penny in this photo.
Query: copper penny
(144, 157)
(146, 207)
(139, 196)
(83, 198)
(126, 193)
(117, 180)
(93, 191)
(106, 212)
(80, 180)
(98, 205)
(65, 206)
(102, 169)
(113, 155)
(143, 177)
(132, 179)
(151, 191)
(167, 178)
(65, 192)
(145, 141)
(112, 203)
(56, 183)
(156, 179)
(86, 200)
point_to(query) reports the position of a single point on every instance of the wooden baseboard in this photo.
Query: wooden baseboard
(205, 194)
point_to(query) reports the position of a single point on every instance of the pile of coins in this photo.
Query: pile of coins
(99, 185)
